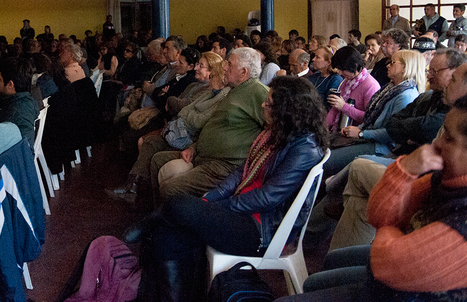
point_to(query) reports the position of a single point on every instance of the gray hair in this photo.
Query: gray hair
(155, 46)
(341, 43)
(454, 57)
(250, 59)
(303, 57)
(75, 50)
(178, 42)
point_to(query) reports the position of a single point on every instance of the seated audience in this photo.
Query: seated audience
(70, 56)
(242, 40)
(357, 88)
(325, 78)
(461, 42)
(354, 40)
(418, 211)
(337, 42)
(16, 103)
(413, 126)
(394, 39)
(173, 47)
(222, 47)
(286, 49)
(255, 37)
(373, 53)
(234, 126)
(407, 74)
(300, 43)
(298, 62)
(427, 47)
(269, 62)
(240, 215)
(201, 100)
(156, 114)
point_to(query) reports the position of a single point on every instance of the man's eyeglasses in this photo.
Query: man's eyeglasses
(435, 72)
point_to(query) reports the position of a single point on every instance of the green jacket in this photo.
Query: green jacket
(238, 120)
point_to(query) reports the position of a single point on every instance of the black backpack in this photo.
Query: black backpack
(238, 284)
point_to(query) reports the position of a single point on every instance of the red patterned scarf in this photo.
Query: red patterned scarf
(260, 153)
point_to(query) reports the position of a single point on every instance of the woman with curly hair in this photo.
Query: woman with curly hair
(241, 215)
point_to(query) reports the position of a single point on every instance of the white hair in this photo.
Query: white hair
(250, 59)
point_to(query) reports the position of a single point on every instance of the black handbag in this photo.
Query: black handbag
(238, 284)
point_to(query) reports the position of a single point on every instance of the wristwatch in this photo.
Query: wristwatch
(360, 134)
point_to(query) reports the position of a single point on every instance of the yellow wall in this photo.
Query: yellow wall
(195, 20)
(291, 15)
(369, 16)
(68, 17)
(203, 17)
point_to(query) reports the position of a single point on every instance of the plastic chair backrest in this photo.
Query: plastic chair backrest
(98, 83)
(94, 75)
(40, 130)
(279, 240)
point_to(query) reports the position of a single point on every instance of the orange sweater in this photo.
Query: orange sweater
(430, 259)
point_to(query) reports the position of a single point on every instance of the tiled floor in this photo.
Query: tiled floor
(81, 212)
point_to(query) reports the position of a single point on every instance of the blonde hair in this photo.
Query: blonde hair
(215, 64)
(329, 51)
(414, 63)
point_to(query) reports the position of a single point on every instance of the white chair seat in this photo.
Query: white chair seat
(293, 265)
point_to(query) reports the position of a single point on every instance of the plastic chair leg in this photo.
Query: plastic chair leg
(26, 276)
(45, 202)
(78, 157)
(47, 174)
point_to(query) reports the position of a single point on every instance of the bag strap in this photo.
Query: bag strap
(239, 265)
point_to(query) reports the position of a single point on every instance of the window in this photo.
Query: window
(414, 9)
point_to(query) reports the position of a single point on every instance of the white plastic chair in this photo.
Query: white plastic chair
(39, 157)
(293, 265)
(98, 83)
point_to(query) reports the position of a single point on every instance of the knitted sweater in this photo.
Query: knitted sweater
(235, 124)
(430, 259)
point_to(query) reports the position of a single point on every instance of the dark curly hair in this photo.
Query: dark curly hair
(265, 48)
(296, 109)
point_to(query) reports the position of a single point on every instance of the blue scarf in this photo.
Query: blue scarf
(380, 98)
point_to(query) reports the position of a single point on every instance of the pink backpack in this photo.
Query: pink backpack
(111, 273)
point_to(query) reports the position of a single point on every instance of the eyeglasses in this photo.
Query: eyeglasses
(394, 62)
(128, 50)
(435, 72)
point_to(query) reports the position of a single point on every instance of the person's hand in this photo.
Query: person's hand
(367, 55)
(416, 33)
(336, 101)
(281, 73)
(187, 155)
(148, 87)
(422, 160)
(166, 89)
(350, 131)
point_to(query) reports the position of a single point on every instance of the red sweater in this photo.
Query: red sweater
(430, 259)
